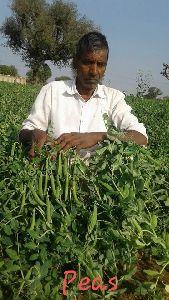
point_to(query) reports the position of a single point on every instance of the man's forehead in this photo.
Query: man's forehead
(94, 54)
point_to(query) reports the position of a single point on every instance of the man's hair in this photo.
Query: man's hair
(92, 41)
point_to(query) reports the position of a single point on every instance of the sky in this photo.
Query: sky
(137, 32)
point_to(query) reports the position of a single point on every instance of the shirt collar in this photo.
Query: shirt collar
(71, 90)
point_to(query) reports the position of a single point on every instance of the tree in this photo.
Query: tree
(8, 70)
(43, 73)
(165, 71)
(153, 92)
(143, 83)
(42, 32)
(64, 77)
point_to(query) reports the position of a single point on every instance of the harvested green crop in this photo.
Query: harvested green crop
(98, 220)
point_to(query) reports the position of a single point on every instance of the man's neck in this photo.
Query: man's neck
(86, 96)
(85, 93)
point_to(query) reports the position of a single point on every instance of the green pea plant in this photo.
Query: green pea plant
(104, 219)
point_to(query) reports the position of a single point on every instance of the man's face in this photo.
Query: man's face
(90, 69)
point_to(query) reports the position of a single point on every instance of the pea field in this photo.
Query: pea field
(69, 230)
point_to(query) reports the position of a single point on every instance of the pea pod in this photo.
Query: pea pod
(53, 185)
(36, 197)
(106, 185)
(74, 192)
(40, 189)
(23, 198)
(167, 240)
(154, 221)
(48, 210)
(46, 177)
(59, 169)
(58, 187)
(66, 187)
(93, 219)
(65, 166)
(13, 150)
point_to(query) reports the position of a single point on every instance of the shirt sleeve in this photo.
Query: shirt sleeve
(122, 116)
(40, 113)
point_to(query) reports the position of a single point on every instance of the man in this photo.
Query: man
(71, 112)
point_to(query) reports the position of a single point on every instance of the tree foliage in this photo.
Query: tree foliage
(42, 75)
(143, 83)
(64, 77)
(8, 70)
(165, 71)
(153, 92)
(42, 32)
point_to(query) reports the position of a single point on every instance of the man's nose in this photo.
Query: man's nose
(93, 69)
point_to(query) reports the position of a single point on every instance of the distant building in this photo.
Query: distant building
(12, 79)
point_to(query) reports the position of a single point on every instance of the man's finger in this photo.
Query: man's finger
(31, 153)
(67, 137)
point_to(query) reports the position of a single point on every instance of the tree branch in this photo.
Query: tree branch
(165, 71)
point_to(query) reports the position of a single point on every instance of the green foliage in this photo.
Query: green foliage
(155, 115)
(62, 78)
(165, 71)
(41, 76)
(60, 214)
(42, 32)
(8, 70)
(153, 92)
(143, 83)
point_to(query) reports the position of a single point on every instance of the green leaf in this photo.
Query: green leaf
(151, 272)
(140, 244)
(154, 221)
(12, 254)
(47, 289)
(93, 219)
(167, 202)
(159, 241)
(115, 232)
(137, 226)
(30, 245)
(7, 230)
(167, 288)
(33, 234)
(34, 257)
(13, 268)
(106, 185)
(115, 292)
(153, 286)
(130, 274)
(1, 263)
(2, 184)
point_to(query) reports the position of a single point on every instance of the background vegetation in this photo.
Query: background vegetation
(42, 32)
(8, 70)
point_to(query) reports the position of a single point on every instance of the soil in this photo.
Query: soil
(146, 263)
(143, 263)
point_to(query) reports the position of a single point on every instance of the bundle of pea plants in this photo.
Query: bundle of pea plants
(68, 228)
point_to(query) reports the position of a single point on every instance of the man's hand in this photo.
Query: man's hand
(79, 140)
(33, 139)
(39, 139)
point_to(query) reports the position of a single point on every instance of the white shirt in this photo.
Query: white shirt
(60, 109)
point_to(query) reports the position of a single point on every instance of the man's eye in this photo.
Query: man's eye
(86, 62)
(101, 64)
